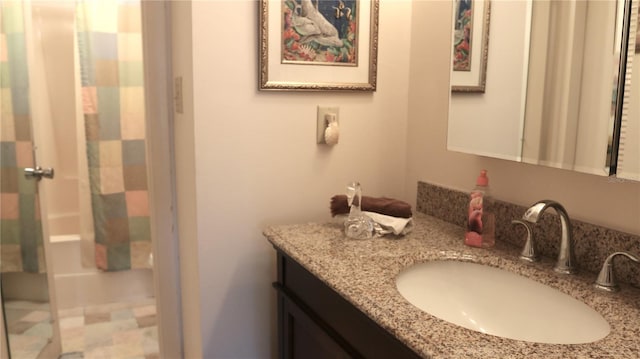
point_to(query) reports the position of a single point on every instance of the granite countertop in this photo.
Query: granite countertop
(364, 272)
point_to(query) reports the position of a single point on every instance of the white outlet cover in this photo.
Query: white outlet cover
(322, 123)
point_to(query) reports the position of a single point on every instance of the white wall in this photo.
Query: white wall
(600, 200)
(258, 164)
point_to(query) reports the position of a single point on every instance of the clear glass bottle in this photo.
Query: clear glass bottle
(357, 225)
(481, 220)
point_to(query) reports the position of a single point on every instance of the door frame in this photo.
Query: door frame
(161, 171)
(156, 27)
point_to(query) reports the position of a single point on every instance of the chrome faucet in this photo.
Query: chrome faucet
(566, 259)
(606, 280)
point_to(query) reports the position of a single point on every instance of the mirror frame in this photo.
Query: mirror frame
(622, 71)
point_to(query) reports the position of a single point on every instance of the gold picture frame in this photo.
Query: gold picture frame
(470, 50)
(292, 60)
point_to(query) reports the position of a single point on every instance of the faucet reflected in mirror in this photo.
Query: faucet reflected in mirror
(559, 107)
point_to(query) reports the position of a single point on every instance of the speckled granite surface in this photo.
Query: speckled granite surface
(364, 272)
(592, 243)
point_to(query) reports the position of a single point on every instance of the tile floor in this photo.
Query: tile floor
(117, 330)
(28, 326)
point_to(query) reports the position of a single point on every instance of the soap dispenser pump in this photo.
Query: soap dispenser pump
(480, 217)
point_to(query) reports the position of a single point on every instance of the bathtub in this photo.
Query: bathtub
(77, 286)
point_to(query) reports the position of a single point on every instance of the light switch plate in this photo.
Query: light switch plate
(322, 123)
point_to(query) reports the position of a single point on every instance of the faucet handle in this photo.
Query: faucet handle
(606, 280)
(528, 253)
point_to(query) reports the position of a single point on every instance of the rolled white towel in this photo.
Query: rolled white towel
(388, 224)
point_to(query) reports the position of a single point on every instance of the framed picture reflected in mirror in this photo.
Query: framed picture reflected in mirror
(470, 45)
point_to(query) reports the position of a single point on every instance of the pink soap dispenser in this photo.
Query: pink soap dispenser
(481, 221)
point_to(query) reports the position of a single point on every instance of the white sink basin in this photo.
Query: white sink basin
(501, 303)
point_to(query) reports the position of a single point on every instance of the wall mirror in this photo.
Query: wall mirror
(556, 93)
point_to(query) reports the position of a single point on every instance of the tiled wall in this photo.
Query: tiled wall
(592, 243)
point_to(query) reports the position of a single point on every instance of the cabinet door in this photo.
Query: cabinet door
(302, 338)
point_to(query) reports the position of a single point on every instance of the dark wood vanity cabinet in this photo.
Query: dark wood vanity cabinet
(316, 322)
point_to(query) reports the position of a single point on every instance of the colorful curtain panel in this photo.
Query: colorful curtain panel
(110, 48)
(21, 246)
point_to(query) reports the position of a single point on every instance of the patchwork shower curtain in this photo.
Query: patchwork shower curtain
(110, 51)
(21, 247)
